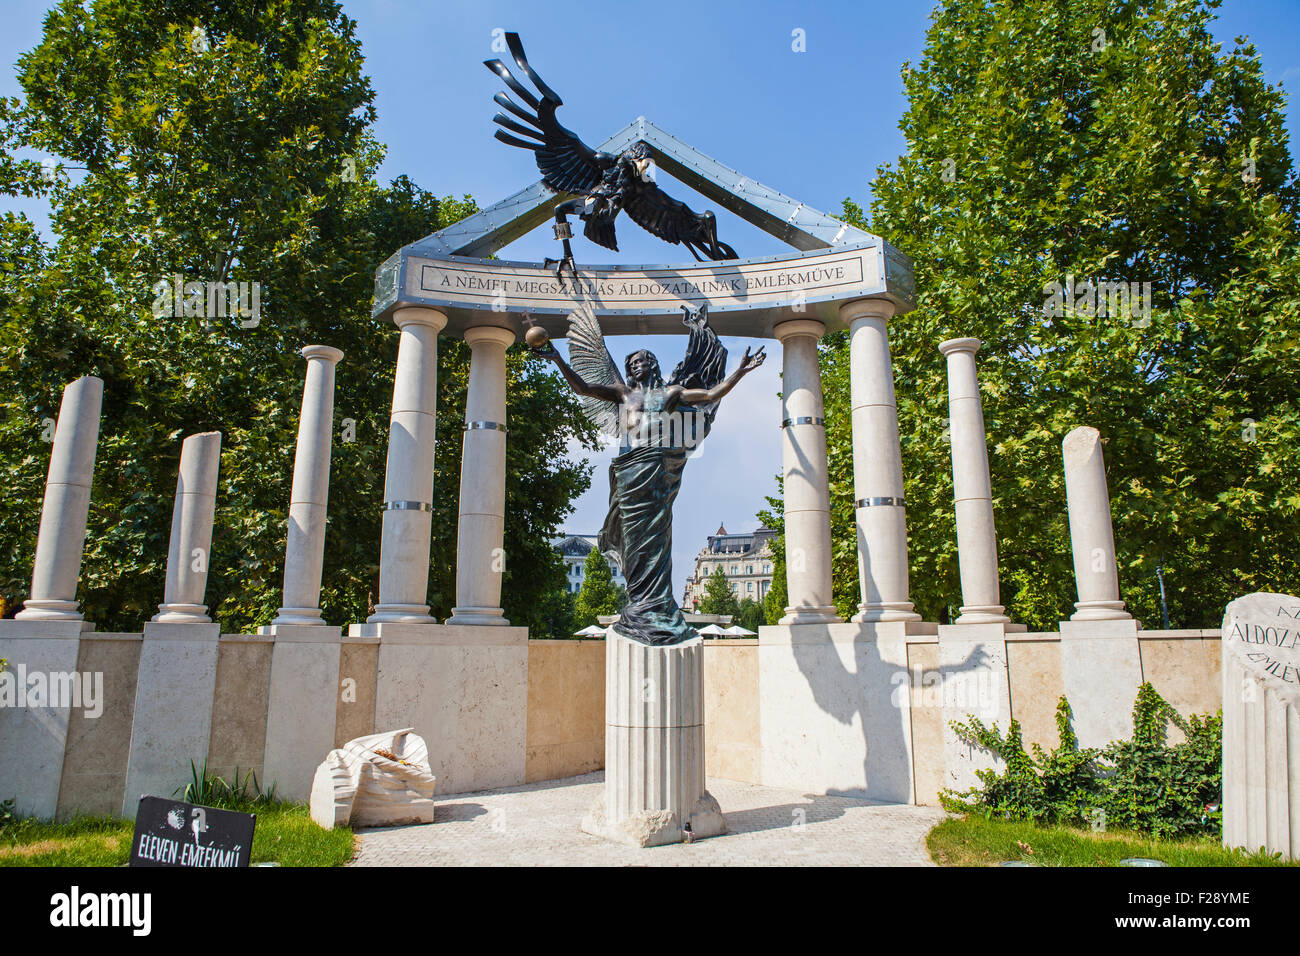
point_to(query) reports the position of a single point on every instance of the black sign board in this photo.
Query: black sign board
(171, 833)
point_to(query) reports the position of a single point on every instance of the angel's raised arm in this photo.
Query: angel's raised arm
(605, 393)
(594, 375)
(705, 396)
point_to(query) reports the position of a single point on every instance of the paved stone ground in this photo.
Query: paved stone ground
(537, 825)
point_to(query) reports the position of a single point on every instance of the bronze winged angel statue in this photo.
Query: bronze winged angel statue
(604, 184)
(657, 424)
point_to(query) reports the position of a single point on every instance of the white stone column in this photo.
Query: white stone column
(190, 549)
(408, 484)
(62, 535)
(304, 553)
(481, 529)
(877, 466)
(807, 492)
(654, 746)
(1092, 538)
(977, 543)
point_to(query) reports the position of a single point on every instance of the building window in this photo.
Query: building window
(750, 587)
(749, 569)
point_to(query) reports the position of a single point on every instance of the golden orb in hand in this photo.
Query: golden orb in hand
(536, 337)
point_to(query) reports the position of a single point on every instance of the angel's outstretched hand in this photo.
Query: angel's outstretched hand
(547, 351)
(750, 362)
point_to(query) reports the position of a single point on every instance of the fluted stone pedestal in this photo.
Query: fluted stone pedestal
(654, 746)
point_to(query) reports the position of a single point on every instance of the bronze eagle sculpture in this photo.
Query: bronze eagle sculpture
(603, 183)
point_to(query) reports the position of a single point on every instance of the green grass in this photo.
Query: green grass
(285, 834)
(975, 841)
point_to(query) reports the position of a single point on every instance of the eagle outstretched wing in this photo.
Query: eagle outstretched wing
(567, 164)
(673, 221)
(591, 360)
(659, 213)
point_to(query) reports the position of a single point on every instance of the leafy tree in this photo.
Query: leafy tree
(231, 142)
(1105, 140)
(718, 596)
(557, 614)
(777, 596)
(598, 596)
(749, 615)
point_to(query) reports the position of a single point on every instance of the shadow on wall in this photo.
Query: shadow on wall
(877, 690)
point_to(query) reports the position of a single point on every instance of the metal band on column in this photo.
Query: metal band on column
(880, 502)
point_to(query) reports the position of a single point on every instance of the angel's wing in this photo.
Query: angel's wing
(705, 362)
(592, 361)
(567, 164)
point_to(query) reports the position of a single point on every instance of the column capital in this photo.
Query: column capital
(867, 309)
(420, 315)
(489, 333)
(970, 345)
(326, 353)
(797, 328)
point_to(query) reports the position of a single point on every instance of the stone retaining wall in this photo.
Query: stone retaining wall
(560, 727)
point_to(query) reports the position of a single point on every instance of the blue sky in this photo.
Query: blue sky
(720, 75)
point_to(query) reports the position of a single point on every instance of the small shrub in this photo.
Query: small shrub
(210, 790)
(1141, 784)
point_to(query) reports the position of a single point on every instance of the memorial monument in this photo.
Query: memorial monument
(840, 276)
(818, 704)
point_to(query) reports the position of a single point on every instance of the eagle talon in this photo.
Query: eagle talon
(558, 269)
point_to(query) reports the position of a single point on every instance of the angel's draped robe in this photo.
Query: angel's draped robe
(638, 531)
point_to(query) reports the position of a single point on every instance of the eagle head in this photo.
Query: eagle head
(642, 162)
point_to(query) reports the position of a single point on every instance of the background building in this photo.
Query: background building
(746, 560)
(574, 548)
